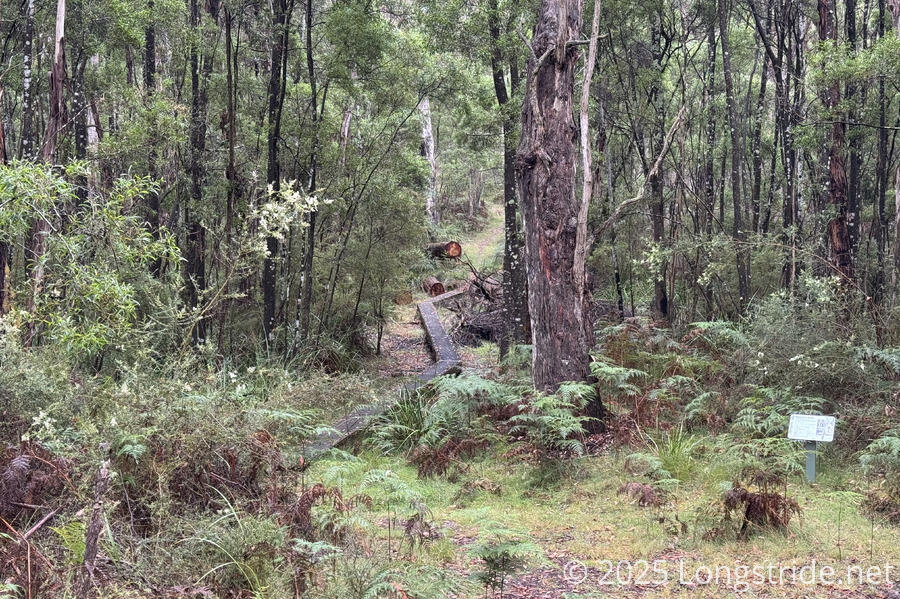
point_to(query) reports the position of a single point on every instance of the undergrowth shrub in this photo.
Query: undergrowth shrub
(881, 462)
(555, 423)
(502, 552)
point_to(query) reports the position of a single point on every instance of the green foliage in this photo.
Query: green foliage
(502, 552)
(416, 421)
(469, 388)
(676, 451)
(72, 537)
(617, 380)
(242, 552)
(722, 335)
(882, 459)
(702, 407)
(10, 591)
(554, 422)
(767, 411)
(768, 462)
(670, 457)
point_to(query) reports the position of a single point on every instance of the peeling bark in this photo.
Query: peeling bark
(545, 167)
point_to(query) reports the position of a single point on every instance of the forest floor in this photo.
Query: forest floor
(592, 541)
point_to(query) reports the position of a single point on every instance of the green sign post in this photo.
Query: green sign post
(811, 429)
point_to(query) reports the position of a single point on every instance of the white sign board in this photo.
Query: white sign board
(810, 427)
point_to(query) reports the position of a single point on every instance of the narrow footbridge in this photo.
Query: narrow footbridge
(446, 361)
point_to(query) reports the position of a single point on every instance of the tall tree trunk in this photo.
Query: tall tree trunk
(879, 218)
(273, 168)
(516, 319)
(897, 226)
(196, 235)
(231, 132)
(37, 243)
(57, 117)
(838, 232)
(854, 141)
(603, 147)
(737, 230)
(756, 147)
(309, 255)
(546, 177)
(3, 155)
(710, 150)
(429, 152)
(153, 207)
(28, 100)
(80, 121)
(5, 284)
(661, 306)
(587, 166)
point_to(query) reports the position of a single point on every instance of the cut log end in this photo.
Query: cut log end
(432, 286)
(444, 249)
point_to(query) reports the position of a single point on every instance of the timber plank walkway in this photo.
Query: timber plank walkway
(446, 361)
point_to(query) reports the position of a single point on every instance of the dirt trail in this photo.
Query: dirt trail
(403, 349)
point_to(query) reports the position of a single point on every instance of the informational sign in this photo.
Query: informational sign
(810, 427)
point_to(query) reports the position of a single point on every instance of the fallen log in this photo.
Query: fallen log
(444, 249)
(432, 286)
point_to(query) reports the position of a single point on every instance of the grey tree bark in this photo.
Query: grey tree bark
(545, 166)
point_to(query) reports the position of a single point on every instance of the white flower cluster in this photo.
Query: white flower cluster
(284, 208)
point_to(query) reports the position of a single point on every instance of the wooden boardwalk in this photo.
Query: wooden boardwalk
(446, 361)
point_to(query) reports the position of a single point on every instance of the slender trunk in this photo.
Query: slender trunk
(80, 123)
(854, 140)
(5, 285)
(3, 155)
(37, 243)
(546, 177)
(587, 166)
(196, 235)
(756, 148)
(710, 150)
(737, 230)
(230, 168)
(661, 308)
(153, 207)
(879, 219)
(428, 151)
(231, 133)
(273, 169)
(57, 116)
(603, 147)
(28, 100)
(895, 20)
(516, 320)
(309, 256)
(896, 225)
(838, 232)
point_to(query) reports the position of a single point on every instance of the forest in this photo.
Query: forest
(408, 299)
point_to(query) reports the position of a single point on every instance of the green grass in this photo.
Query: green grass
(582, 517)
